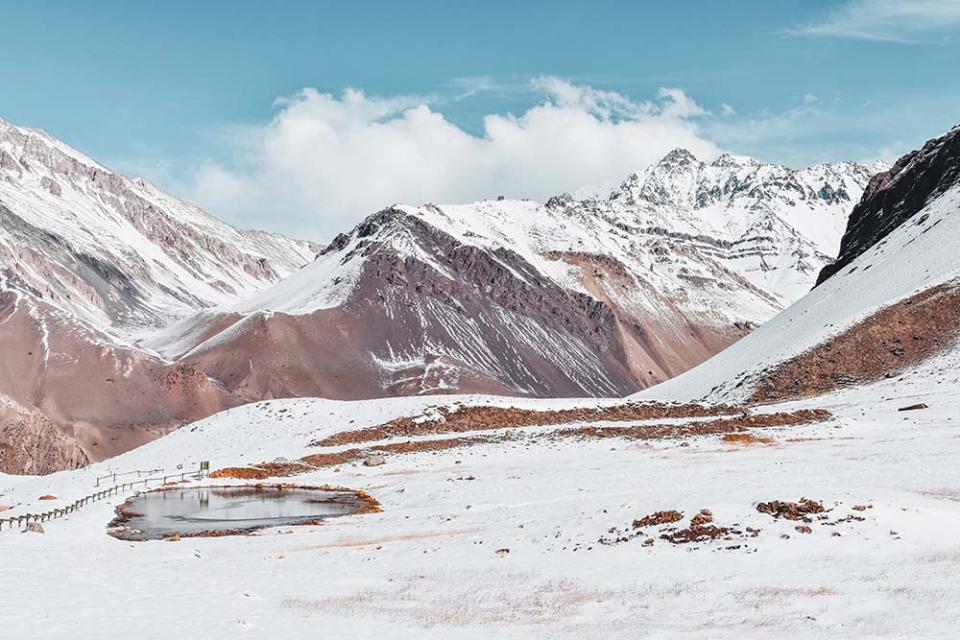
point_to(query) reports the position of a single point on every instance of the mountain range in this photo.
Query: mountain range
(126, 312)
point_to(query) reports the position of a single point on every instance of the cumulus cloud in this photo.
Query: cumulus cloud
(325, 161)
(898, 21)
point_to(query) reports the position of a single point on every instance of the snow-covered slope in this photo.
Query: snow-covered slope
(527, 534)
(597, 296)
(890, 300)
(116, 252)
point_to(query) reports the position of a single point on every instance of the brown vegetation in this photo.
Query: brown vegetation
(482, 418)
(733, 424)
(889, 341)
(747, 439)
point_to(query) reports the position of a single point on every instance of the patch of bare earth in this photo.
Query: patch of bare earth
(891, 340)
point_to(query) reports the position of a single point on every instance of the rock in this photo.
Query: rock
(33, 527)
(802, 528)
(374, 461)
(47, 497)
(914, 407)
(173, 538)
(658, 518)
(704, 517)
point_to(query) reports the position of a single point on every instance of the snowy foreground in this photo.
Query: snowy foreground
(428, 566)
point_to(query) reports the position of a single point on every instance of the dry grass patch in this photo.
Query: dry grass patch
(748, 439)
(485, 418)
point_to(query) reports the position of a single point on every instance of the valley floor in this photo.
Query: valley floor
(434, 563)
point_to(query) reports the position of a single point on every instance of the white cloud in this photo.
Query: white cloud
(326, 161)
(899, 21)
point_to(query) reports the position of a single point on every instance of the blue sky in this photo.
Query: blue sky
(208, 99)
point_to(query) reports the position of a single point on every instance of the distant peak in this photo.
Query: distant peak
(730, 160)
(678, 157)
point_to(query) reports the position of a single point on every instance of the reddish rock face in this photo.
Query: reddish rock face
(71, 396)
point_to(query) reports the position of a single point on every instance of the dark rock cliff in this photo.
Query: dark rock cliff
(894, 196)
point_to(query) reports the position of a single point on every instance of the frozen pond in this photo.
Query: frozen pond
(196, 511)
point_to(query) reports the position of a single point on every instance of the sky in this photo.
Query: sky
(303, 117)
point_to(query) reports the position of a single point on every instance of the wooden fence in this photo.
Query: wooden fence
(22, 521)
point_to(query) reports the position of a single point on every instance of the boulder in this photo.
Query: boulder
(373, 461)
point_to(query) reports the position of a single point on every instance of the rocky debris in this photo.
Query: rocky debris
(695, 533)
(914, 407)
(800, 510)
(700, 529)
(34, 527)
(374, 461)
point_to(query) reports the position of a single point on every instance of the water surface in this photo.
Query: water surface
(195, 511)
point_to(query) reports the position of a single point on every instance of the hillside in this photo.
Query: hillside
(598, 296)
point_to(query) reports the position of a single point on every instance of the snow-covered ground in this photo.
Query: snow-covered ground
(428, 567)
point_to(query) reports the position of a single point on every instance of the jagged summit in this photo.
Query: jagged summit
(678, 157)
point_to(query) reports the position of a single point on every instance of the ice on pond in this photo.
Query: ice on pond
(192, 511)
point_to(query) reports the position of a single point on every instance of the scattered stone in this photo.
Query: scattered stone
(802, 528)
(47, 497)
(33, 527)
(502, 552)
(374, 461)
